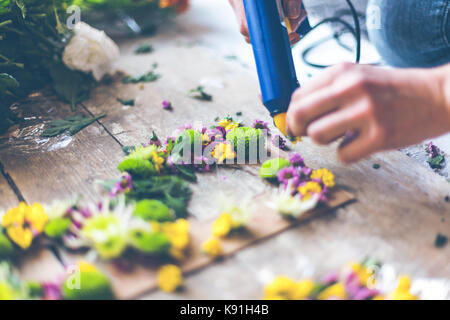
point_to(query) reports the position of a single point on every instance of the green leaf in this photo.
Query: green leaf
(144, 48)
(126, 102)
(270, 168)
(436, 162)
(21, 6)
(186, 172)
(71, 125)
(7, 82)
(94, 285)
(57, 227)
(199, 94)
(147, 77)
(127, 149)
(6, 247)
(70, 85)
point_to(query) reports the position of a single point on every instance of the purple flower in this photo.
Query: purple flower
(296, 160)
(52, 291)
(259, 124)
(330, 278)
(215, 134)
(305, 171)
(124, 185)
(170, 138)
(202, 164)
(279, 142)
(365, 293)
(288, 174)
(432, 150)
(154, 140)
(166, 105)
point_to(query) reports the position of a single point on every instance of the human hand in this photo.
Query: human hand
(292, 9)
(384, 108)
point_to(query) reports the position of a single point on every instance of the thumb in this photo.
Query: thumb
(292, 8)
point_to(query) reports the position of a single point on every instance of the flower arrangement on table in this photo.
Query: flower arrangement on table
(144, 213)
(38, 47)
(357, 281)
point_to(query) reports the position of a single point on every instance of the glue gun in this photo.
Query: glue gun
(268, 29)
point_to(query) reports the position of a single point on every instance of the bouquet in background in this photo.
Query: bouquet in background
(42, 43)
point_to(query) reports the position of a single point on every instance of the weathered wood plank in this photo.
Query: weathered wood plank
(8, 198)
(57, 168)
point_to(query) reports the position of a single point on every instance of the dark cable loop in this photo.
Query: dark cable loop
(356, 32)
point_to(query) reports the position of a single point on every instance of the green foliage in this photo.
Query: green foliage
(170, 190)
(149, 242)
(147, 77)
(56, 228)
(6, 247)
(270, 168)
(199, 94)
(137, 167)
(436, 162)
(153, 210)
(144, 48)
(93, 286)
(243, 137)
(126, 102)
(71, 125)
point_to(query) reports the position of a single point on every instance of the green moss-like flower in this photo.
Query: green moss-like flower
(143, 153)
(153, 210)
(6, 247)
(137, 167)
(93, 286)
(57, 227)
(244, 137)
(107, 235)
(149, 242)
(270, 168)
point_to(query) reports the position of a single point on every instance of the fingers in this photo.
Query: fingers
(336, 124)
(292, 8)
(357, 149)
(238, 7)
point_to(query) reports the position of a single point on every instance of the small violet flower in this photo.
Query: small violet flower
(288, 174)
(432, 150)
(166, 105)
(259, 124)
(279, 142)
(296, 160)
(124, 185)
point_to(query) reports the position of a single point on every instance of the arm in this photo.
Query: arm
(291, 7)
(386, 108)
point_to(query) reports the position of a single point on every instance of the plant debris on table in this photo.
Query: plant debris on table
(199, 94)
(440, 241)
(126, 102)
(70, 125)
(144, 48)
(436, 159)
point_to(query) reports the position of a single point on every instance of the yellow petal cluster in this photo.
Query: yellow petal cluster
(325, 175)
(213, 248)
(170, 278)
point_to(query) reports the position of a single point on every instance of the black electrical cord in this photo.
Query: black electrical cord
(355, 31)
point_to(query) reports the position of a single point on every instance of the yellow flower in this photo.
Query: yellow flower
(336, 291)
(223, 151)
(177, 232)
(205, 139)
(86, 267)
(309, 189)
(20, 235)
(213, 248)
(223, 225)
(303, 289)
(36, 217)
(6, 293)
(22, 221)
(402, 292)
(170, 278)
(325, 175)
(157, 161)
(281, 288)
(225, 122)
(15, 216)
(364, 274)
(231, 126)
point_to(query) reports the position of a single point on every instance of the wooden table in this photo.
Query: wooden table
(399, 210)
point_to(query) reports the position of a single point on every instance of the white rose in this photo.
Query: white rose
(90, 50)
